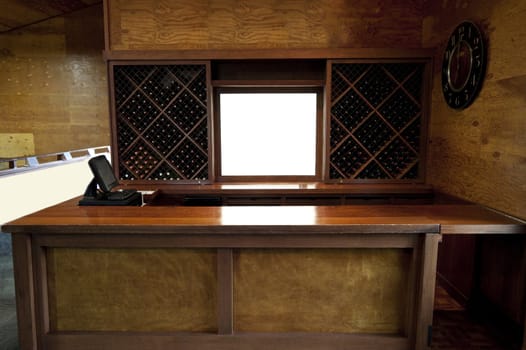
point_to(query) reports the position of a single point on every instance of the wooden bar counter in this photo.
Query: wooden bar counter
(243, 277)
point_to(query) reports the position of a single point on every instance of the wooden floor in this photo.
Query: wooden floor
(8, 338)
(456, 329)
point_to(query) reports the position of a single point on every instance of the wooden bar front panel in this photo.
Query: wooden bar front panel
(275, 290)
(132, 289)
(321, 290)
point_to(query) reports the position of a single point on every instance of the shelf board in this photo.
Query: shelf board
(259, 54)
(268, 83)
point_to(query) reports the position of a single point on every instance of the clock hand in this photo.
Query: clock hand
(458, 63)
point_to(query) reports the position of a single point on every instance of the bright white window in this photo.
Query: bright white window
(268, 134)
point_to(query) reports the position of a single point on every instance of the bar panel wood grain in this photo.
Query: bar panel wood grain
(316, 290)
(132, 289)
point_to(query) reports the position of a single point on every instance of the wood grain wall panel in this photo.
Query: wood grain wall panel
(53, 82)
(235, 24)
(132, 289)
(480, 153)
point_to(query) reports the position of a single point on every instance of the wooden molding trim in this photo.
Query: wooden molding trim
(256, 341)
(329, 53)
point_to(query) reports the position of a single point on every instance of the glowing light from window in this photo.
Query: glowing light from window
(268, 134)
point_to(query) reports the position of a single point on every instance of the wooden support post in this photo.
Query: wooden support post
(426, 295)
(225, 292)
(25, 292)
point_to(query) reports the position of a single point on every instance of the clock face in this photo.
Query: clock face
(463, 66)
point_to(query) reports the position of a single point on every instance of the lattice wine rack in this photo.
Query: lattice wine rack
(375, 121)
(161, 115)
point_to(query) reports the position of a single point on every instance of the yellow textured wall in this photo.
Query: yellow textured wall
(53, 82)
(241, 24)
(480, 153)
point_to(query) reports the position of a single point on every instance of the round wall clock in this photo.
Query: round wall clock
(464, 65)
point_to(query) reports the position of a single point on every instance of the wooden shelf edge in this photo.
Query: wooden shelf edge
(232, 54)
(268, 83)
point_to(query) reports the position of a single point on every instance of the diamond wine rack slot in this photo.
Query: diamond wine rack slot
(162, 121)
(375, 121)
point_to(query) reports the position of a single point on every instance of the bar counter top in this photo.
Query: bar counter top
(462, 218)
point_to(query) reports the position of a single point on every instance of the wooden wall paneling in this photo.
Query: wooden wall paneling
(229, 24)
(54, 86)
(478, 153)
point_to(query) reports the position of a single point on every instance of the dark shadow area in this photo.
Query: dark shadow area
(456, 327)
(8, 327)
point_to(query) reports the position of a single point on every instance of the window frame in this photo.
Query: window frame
(318, 90)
